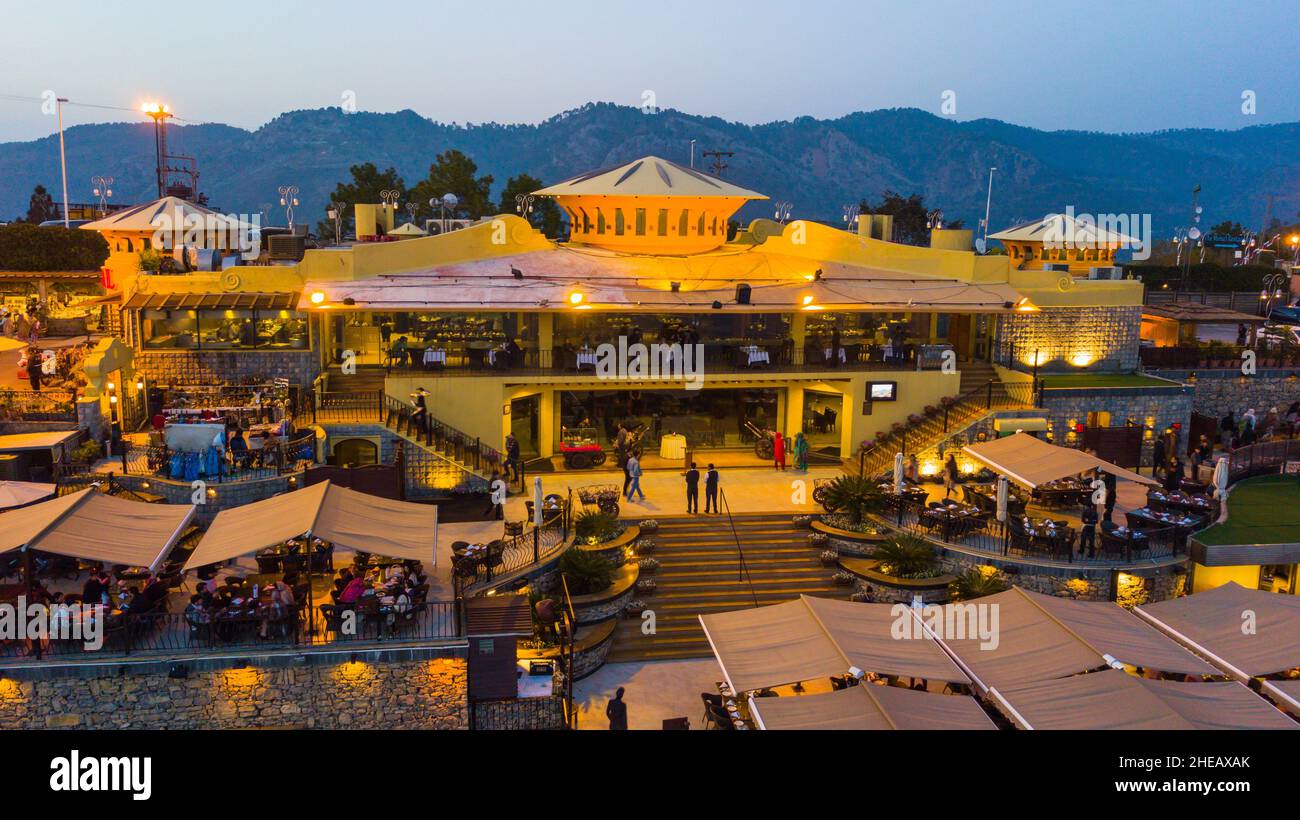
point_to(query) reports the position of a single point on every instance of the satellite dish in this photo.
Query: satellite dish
(450, 200)
(980, 244)
(1194, 233)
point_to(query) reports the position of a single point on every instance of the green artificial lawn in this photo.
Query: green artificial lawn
(1260, 511)
(1103, 380)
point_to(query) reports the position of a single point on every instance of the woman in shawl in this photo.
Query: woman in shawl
(800, 452)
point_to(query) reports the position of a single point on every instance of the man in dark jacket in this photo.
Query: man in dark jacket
(1088, 533)
(711, 490)
(1158, 458)
(616, 711)
(692, 489)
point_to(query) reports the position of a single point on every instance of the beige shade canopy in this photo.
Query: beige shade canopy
(343, 517)
(1116, 632)
(649, 176)
(1032, 463)
(1285, 692)
(21, 493)
(813, 638)
(1212, 623)
(871, 707)
(97, 527)
(1117, 700)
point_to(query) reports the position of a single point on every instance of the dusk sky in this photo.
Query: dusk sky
(1107, 66)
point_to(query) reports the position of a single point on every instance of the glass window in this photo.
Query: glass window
(169, 329)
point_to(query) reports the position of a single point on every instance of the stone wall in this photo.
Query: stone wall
(417, 694)
(1220, 391)
(1107, 338)
(179, 367)
(1156, 407)
(1129, 587)
(221, 496)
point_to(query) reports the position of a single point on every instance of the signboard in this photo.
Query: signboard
(882, 391)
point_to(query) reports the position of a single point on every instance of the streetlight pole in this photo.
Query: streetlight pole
(988, 212)
(783, 211)
(288, 201)
(524, 206)
(159, 113)
(103, 191)
(63, 159)
(335, 213)
(851, 213)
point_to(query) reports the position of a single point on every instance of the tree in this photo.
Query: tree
(855, 496)
(454, 173)
(367, 183)
(545, 215)
(910, 215)
(41, 207)
(906, 556)
(1228, 228)
(973, 584)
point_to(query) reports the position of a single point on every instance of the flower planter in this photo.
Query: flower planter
(649, 525)
(803, 522)
(646, 586)
(818, 539)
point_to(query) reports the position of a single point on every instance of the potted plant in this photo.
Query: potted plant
(830, 558)
(648, 565)
(586, 572)
(844, 579)
(803, 522)
(931, 410)
(948, 401)
(881, 435)
(634, 608)
(897, 427)
(907, 556)
(645, 546)
(915, 418)
(818, 539)
(646, 586)
(649, 525)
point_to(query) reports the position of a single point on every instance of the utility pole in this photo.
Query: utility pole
(988, 209)
(692, 153)
(719, 160)
(63, 160)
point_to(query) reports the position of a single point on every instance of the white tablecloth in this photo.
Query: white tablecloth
(432, 356)
(586, 358)
(672, 447)
(756, 355)
(844, 357)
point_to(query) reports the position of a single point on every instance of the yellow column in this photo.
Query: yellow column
(799, 333)
(545, 336)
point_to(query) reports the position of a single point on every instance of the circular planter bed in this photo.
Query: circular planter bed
(615, 551)
(888, 588)
(847, 542)
(608, 603)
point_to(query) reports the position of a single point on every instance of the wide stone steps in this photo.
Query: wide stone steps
(699, 574)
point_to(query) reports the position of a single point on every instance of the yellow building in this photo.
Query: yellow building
(801, 327)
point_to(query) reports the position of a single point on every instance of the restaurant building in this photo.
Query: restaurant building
(804, 328)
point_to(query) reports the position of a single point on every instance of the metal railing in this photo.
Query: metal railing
(468, 451)
(365, 406)
(985, 534)
(1217, 355)
(173, 634)
(530, 547)
(274, 459)
(38, 405)
(1261, 459)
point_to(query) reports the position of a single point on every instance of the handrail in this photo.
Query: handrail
(740, 552)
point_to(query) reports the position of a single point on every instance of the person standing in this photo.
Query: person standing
(778, 451)
(621, 453)
(1158, 457)
(1088, 532)
(800, 452)
(634, 473)
(616, 711)
(692, 490)
(420, 415)
(1111, 485)
(34, 368)
(950, 476)
(1174, 478)
(514, 471)
(711, 479)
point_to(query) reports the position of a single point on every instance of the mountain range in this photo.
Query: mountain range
(820, 165)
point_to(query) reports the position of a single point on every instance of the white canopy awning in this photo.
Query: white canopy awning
(1031, 463)
(871, 707)
(97, 527)
(345, 518)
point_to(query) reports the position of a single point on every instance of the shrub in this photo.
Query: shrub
(87, 452)
(973, 584)
(593, 527)
(906, 556)
(30, 248)
(855, 496)
(585, 572)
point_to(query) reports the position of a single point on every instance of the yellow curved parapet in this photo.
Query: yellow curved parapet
(108, 356)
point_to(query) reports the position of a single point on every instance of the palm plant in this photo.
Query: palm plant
(855, 496)
(586, 572)
(906, 555)
(973, 584)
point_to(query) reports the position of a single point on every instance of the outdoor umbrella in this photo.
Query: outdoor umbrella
(7, 344)
(898, 474)
(537, 501)
(1003, 492)
(1221, 478)
(22, 493)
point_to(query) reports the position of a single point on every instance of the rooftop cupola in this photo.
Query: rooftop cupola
(650, 206)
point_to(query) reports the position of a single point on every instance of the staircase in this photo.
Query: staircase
(699, 575)
(977, 401)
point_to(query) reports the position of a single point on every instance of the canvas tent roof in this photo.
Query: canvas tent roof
(1285, 692)
(1211, 623)
(1066, 229)
(97, 527)
(807, 639)
(343, 517)
(1117, 700)
(1032, 463)
(871, 707)
(168, 212)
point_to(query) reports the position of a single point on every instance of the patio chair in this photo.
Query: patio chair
(720, 718)
(711, 701)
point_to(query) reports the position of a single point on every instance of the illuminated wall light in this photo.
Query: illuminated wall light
(930, 468)
(1082, 359)
(317, 297)
(245, 678)
(577, 298)
(10, 690)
